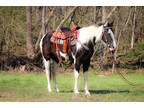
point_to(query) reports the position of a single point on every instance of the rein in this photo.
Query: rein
(120, 74)
(84, 46)
(116, 63)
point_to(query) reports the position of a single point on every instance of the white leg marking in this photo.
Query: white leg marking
(54, 77)
(85, 83)
(76, 75)
(47, 69)
(74, 58)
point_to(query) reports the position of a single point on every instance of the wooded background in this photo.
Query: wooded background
(21, 29)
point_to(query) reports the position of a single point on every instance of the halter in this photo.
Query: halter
(104, 34)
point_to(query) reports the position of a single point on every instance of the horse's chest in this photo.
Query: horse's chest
(84, 56)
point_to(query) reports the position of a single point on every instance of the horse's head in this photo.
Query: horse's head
(108, 36)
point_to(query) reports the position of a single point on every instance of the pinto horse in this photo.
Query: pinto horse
(81, 53)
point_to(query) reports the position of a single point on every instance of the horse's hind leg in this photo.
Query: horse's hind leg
(54, 76)
(76, 75)
(47, 69)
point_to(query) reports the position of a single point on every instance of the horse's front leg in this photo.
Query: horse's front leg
(76, 75)
(85, 73)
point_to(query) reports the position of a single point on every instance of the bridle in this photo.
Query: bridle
(104, 33)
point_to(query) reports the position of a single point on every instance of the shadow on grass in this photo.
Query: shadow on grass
(99, 91)
(107, 91)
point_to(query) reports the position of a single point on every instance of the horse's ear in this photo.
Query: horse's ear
(106, 23)
(111, 24)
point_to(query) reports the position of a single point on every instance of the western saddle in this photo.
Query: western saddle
(67, 39)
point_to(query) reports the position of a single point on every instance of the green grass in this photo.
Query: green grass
(33, 87)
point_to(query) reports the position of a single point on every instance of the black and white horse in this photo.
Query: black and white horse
(81, 53)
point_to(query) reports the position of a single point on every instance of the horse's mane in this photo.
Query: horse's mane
(96, 25)
(99, 24)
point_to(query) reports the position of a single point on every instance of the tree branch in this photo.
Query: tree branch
(124, 27)
(40, 34)
(66, 18)
(111, 12)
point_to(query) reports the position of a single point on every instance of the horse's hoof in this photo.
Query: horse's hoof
(49, 90)
(57, 90)
(76, 93)
(87, 94)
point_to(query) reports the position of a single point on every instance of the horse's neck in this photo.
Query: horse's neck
(98, 34)
(86, 34)
(89, 33)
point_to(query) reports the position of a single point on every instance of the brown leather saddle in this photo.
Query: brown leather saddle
(65, 37)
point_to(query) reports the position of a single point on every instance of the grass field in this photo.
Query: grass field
(33, 87)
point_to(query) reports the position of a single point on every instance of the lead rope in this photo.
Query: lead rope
(120, 74)
(117, 69)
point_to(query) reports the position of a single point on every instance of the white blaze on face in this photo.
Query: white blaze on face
(112, 36)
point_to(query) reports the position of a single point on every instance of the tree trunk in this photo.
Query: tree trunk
(103, 14)
(133, 29)
(120, 34)
(40, 34)
(43, 20)
(116, 33)
(101, 45)
(96, 11)
(29, 40)
(1, 45)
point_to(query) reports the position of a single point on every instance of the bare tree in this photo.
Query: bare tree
(29, 41)
(66, 18)
(40, 33)
(108, 16)
(96, 11)
(116, 33)
(43, 20)
(133, 28)
(120, 34)
(103, 14)
(101, 45)
(122, 30)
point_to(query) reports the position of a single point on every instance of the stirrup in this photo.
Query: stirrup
(66, 59)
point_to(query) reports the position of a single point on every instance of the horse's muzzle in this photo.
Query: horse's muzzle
(112, 49)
